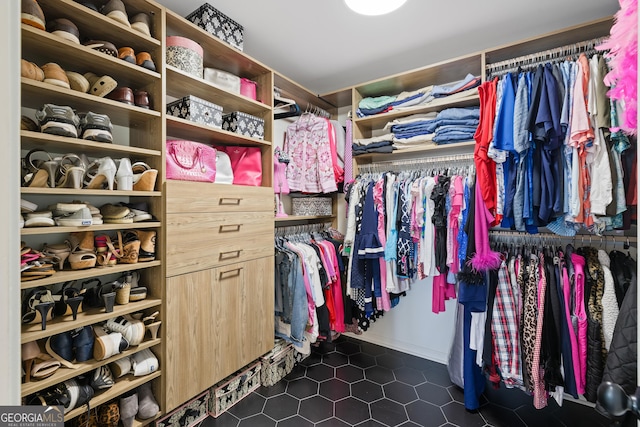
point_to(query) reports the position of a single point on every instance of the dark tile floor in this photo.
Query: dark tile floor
(354, 383)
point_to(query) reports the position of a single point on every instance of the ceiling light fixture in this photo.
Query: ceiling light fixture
(374, 7)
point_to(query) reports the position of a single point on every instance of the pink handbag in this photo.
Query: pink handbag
(246, 163)
(248, 88)
(190, 161)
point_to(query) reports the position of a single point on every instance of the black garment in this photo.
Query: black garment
(623, 270)
(487, 350)
(439, 220)
(551, 345)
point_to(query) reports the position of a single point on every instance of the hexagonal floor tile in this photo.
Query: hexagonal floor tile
(370, 423)
(379, 374)
(335, 359)
(433, 394)
(372, 349)
(352, 411)
(347, 348)
(458, 415)
(320, 372)
(334, 389)
(274, 390)
(438, 374)
(425, 414)
(349, 373)
(325, 348)
(390, 361)
(250, 405)
(366, 390)
(499, 416)
(332, 422)
(316, 408)
(302, 388)
(419, 363)
(295, 421)
(400, 392)
(362, 360)
(298, 371)
(224, 420)
(281, 407)
(259, 420)
(409, 375)
(312, 359)
(389, 412)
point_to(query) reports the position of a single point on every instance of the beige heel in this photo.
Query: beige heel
(153, 328)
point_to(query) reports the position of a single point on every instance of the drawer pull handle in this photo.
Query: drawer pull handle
(230, 255)
(230, 201)
(229, 274)
(231, 228)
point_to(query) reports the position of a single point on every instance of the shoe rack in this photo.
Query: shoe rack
(138, 135)
(219, 257)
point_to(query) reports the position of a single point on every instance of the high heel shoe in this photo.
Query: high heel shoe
(60, 250)
(144, 178)
(124, 175)
(108, 254)
(72, 169)
(100, 171)
(151, 325)
(68, 301)
(37, 365)
(130, 244)
(41, 173)
(38, 307)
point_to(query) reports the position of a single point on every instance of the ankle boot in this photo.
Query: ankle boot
(128, 409)
(147, 405)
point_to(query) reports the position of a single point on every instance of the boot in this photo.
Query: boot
(147, 405)
(128, 409)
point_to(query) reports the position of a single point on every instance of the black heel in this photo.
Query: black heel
(43, 308)
(74, 304)
(109, 301)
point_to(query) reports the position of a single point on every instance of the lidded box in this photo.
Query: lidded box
(218, 24)
(185, 54)
(196, 110)
(243, 124)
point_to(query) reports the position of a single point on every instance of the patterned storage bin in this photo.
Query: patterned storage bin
(244, 124)
(234, 388)
(188, 414)
(217, 23)
(311, 206)
(185, 55)
(197, 110)
(279, 362)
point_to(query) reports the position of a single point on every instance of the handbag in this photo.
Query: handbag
(224, 173)
(248, 88)
(246, 163)
(190, 161)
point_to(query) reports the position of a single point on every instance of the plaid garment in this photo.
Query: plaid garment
(504, 328)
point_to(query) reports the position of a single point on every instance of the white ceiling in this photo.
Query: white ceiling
(324, 46)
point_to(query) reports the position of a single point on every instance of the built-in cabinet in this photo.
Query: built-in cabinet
(137, 135)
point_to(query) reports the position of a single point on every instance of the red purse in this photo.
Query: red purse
(246, 163)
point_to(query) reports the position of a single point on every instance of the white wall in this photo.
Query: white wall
(9, 213)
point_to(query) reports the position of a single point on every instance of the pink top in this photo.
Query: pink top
(581, 314)
(566, 288)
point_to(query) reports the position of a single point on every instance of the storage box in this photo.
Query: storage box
(279, 362)
(311, 206)
(185, 55)
(217, 23)
(191, 413)
(222, 79)
(234, 388)
(197, 110)
(243, 124)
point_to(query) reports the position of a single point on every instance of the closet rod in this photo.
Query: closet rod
(589, 238)
(284, 230)
(457, 159)
(546, 55)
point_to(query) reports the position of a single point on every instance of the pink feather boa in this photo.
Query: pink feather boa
(622, 45)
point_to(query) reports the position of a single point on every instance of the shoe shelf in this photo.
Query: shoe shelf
(142, 423)
(87, 192)
(64, 373)
(122, 385)
(185, 129)
(75, 57)
(96, 26)
(55, 143)
(180, 84)
(100, 227)
(69, 275)
(32, 331)
(35, 94)
(414, 152)
(379, 120)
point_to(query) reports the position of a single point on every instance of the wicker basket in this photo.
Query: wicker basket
(234, 388)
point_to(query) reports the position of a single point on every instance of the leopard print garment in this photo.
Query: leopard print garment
(530, 321)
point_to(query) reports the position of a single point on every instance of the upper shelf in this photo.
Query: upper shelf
(180, 84)
(303, 96)
(410, 153)
(438, 104)
(96, 26)
(185, 129)
(35, 94)
(217, 54)
(41, 47)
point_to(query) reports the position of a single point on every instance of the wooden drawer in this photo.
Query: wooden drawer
(199, 241)
(183, 196)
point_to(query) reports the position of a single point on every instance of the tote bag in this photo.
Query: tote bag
(190, 161)
(246, 163)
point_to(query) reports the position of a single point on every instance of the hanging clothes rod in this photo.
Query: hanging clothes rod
(285, 230)
(453, 160)
(542, 237)
(561, 52)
